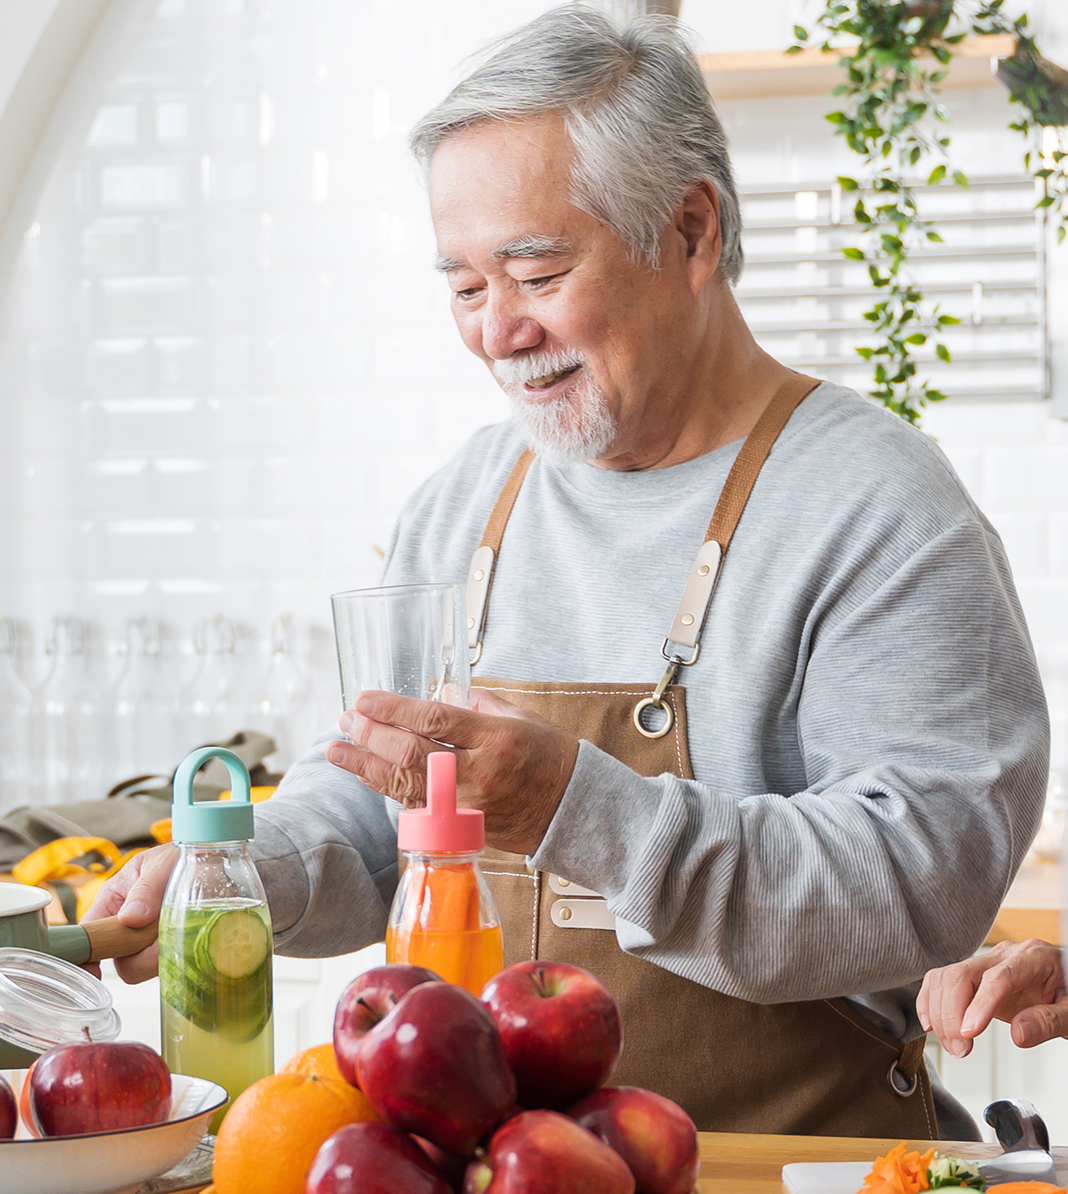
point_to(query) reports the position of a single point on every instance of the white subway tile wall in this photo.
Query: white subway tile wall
(226, 361)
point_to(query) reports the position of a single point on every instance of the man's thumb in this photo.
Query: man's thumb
(1042, 1023)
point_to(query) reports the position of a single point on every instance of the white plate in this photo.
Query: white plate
(845, 1177)
(108, 1162)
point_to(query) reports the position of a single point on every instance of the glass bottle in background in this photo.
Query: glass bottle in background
(208, 713)
(144, 711)
(281, 707)
(216, 991)
(70, 729)
(443, 916)
(16, 742)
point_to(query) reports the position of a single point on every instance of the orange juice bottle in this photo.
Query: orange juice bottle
(443, 916)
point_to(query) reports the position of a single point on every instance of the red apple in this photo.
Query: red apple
(435, 1066)
(99, 1087)
(370, 997)
(9, 1110)
(544, 1152)
(372, 1159)
(561, 1030)
(655, 1137)
(451, 1168)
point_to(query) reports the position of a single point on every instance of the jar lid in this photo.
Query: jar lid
(441, 827)
(212, 820)
(45, 1002)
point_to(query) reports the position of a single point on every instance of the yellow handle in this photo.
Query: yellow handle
(52, 862)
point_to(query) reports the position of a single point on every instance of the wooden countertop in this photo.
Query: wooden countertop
(732, 1163)
(1032, 906)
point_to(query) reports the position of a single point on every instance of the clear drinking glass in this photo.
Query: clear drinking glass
(408, 639)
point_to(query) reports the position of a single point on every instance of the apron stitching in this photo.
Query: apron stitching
(635, 690)
(536, 911)
(509, 874)
(678, 737)
(878, 1040)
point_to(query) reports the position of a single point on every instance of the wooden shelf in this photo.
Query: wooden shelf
(812, 72)
(1032, 907)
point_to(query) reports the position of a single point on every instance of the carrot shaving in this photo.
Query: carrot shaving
(1025, 1188)
(899, 1172)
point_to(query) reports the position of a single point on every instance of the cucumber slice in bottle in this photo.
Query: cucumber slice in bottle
(234, 943)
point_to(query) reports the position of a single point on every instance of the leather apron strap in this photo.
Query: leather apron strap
(484, 560)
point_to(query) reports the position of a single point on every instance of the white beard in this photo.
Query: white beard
(574, 427)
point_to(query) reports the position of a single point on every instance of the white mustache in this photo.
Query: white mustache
(520, 370)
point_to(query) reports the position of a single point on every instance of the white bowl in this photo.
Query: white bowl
(108, 1162)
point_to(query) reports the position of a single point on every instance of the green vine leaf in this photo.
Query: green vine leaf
(889, 115)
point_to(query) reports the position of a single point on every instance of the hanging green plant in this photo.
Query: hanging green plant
(894, 57)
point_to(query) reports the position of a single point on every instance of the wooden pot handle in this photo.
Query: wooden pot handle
(110, 938)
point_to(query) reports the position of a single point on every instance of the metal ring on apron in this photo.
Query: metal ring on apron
(654, 703)
(903, 1092)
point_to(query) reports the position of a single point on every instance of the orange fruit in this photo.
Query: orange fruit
(25, 1107)
(273, 1130)
(319, 1061)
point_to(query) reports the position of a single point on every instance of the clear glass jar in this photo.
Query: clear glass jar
(72, 732)
(16, 739)
(144, 709)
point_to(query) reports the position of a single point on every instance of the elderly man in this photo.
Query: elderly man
(843, 761)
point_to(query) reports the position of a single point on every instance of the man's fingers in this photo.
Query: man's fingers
(396, 744)
(112, 895)
(139, 968)
(134, 894)
(997, 984)
(1035, 1025)
(404, 786)
(949, 992)
(145, 896)
(431, 719)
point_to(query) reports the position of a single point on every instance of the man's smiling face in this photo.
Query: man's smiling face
(578, 334)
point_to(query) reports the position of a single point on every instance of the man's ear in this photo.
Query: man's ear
(697, 221)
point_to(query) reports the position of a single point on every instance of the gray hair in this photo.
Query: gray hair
(636, 108)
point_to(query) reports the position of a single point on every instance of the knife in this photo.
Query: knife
(1023, 1136)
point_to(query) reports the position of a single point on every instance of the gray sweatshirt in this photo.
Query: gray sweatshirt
(868, 731)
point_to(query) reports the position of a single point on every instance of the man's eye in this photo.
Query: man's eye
(537, 283)
(466, 294)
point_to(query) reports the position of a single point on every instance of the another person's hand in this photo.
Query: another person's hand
(1020, 983)
(134, 894)
(511, 763)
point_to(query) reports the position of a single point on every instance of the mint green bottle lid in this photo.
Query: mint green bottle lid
(212, 820)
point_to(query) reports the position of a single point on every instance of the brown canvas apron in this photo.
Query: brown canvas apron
(816, 1067)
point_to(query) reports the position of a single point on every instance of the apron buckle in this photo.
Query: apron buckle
(656, 701)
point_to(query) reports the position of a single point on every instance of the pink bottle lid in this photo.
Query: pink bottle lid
(441, 827)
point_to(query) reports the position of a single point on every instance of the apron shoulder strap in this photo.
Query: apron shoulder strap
(697, 596)
(484, 560)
